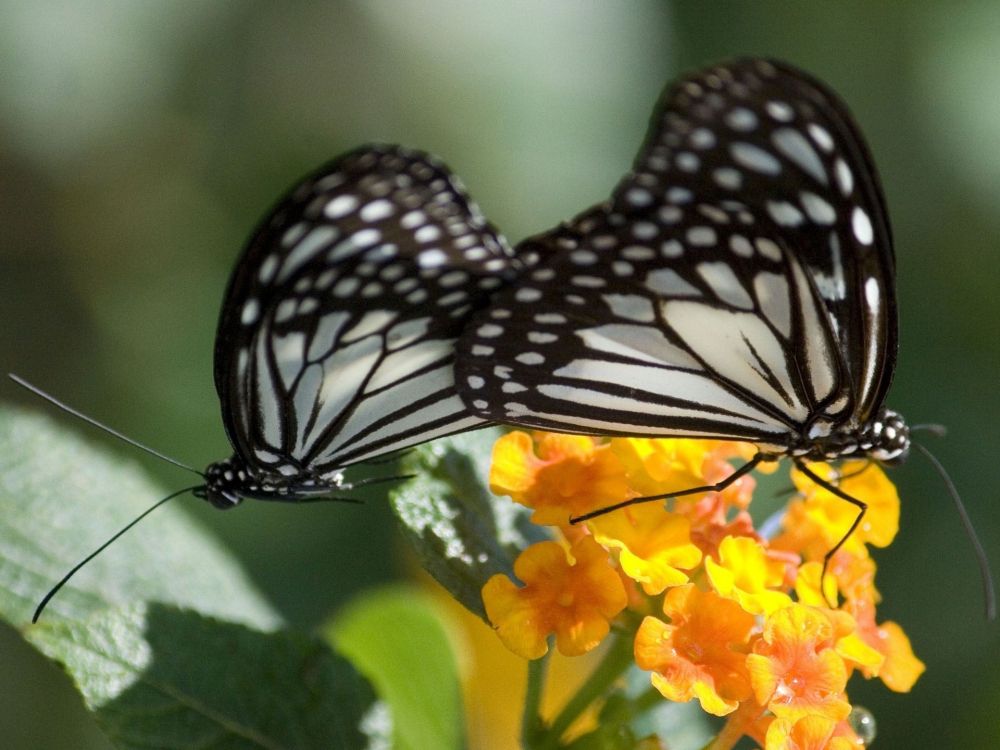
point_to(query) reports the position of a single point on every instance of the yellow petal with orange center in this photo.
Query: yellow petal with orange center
(745, 573)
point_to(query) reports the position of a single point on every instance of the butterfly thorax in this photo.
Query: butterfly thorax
(886, 439)
(229, 482)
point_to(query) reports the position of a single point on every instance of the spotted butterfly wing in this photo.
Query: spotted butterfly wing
(336, 338)
(737, 285)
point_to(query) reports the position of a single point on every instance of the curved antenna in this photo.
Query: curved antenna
(90, 420)
(52, 592)
(989, 594)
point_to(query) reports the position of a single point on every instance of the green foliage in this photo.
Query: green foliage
(195, 659)
(462, 535)
(397, 639)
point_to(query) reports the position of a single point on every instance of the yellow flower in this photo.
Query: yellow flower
(654, 546)
(818, 521)
(746, 573)
(572, 595)
(568, 476)
(701, 653)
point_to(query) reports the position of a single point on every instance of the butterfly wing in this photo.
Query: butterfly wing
(782, 143)
(336, 338)
(738, 284)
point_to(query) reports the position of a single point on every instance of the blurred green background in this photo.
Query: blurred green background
(140, 142)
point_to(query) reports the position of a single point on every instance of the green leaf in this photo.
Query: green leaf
(462, 533)
(157, 676)
(61, 498)
(153, 673)
(397, 639)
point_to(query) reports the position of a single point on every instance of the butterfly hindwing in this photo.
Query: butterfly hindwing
(336, 341)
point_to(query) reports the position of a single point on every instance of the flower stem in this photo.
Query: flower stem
(615, 662)
(531, 718)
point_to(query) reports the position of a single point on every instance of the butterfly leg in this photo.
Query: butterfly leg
(718, 487)
(829, 487)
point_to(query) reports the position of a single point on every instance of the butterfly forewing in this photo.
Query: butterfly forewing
(336, 341)
(738, 284)
(783, 144)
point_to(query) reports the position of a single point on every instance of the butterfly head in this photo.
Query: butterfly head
(225, 484)
(889, 438)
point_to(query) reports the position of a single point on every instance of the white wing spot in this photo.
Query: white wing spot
(631, 306)
(511, 387)
(862, 226)
(672, 249)
(638, 253)
(679, 195)
(427, 233)
(723, 281)
(340, 206)
(639, 197)
(768, 249)
(489, 331)
(527, 294)
(478, 350)
(453, 278)
(796, 147)
(702, 138)
(714, 214)
(755, 158)
(267, 268)
(583, 257)
(540, 337)
(741, 119)
(346, 287)
(669, 214)
(377, 210)
(701, 236)
(251, 309)
(780, 111)
(740, 245)
(821, 136)
(818, 209)
(475, 382)
(644, 230)
(555, 319)
(845, 178)
(432, 258)
(687, 162)
(413, 219)
(728, 178)
(588, 282)
(530, 358)
(785, 214)
(668, 283)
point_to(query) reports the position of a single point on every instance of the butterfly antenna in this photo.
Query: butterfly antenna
(55, 589)
(989, 594)
(90, 420)
(937, 430)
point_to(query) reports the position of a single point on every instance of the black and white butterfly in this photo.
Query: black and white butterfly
(336, 341)
(738, 285)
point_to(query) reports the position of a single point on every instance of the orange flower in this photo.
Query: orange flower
(746, 573)
(701, 653)
(654, 546)
(795, 670)
(570, 475)
(573, 596)
(809, 733)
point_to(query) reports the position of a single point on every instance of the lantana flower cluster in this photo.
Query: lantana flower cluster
(720, 612)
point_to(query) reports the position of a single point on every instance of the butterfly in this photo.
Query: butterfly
(336, 339)
(738, 285)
